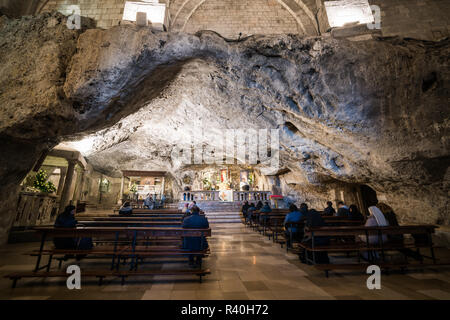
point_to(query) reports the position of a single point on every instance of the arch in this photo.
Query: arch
(297, 9)
(41, 6)
(19, 8)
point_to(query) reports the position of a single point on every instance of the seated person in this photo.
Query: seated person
(163, 200)
(375, 219)
(126, 209)
(185, 208)
(245, 208)
(67, 220)
(148, 202)
(195, 221)
(250, 211)
(193, 203)
(186, 211)
(329, 210)
(342, 210)
(355, 214)
(295, 215)
(259, 205)
(314, 219)
(264, 212)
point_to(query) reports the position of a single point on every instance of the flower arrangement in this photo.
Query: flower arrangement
(42, 184)
(206, 184)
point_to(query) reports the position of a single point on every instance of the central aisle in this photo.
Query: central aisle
(244, 265)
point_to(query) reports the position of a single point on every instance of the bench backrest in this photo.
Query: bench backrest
(363, 230)
(100, 232)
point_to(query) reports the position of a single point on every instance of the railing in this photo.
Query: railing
(35, 209)
(251, 196)
(214, 196)
(200, 196)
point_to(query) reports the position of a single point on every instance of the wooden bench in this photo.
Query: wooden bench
(150, 211)
(383, 266)
(338, 232)
(137, 240)
(275, 227)
(129, 218)
(130, 223)
(101, 274)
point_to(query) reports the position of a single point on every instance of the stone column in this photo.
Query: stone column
(62, 176)
(83, 180)
(79, 185)
(121, 190)
(65, 196)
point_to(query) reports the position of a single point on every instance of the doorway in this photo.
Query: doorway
(368, 198)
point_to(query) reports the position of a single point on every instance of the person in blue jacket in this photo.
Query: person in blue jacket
(126, 209)
(195, 221)
(295, 215)
(263, 213)
(342, 210)
(250, 211)
(148, 202)
(67, 220)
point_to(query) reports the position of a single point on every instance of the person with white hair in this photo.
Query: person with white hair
(376, 219)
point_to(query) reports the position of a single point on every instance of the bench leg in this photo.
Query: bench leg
(136, 265)
(14, 282)
(40, 252)
(100, 280)
(123, 280)
(49, 264)
(327, 273)
(200, 278)
(432, 254)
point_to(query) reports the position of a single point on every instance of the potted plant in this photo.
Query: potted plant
(41, 183)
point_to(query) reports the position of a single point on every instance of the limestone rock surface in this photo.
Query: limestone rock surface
(373, 112)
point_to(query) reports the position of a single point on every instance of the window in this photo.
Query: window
(156, 12)
(348, 11)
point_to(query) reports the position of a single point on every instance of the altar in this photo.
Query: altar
(222, 184)
(226, 195)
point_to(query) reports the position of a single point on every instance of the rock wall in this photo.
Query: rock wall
(371, 112)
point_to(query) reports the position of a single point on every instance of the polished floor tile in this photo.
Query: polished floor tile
(244, 265)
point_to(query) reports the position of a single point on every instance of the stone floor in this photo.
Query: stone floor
(244, 265)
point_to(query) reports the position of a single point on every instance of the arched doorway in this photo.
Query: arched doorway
(368, 198)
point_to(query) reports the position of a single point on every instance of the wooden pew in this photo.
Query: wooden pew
(130, 223)
(275, 227)
(358, 246)
(150, 211)
(136, 248)
(101, 274)
(130, 218)
(152, 215)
